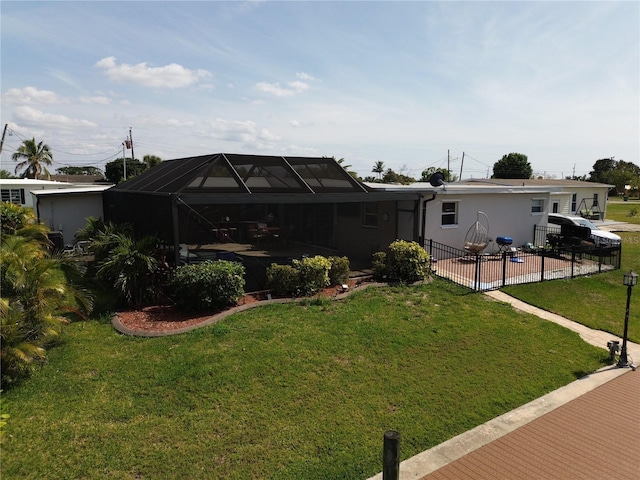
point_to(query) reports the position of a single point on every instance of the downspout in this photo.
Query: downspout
(176, 230)
(423, 228)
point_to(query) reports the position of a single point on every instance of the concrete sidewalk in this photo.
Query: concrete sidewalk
(453, 460)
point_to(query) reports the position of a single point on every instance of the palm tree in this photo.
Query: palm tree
(34, 156)
(36, 293)
(378, 168)
(129, 265)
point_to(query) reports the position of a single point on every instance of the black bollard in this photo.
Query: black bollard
(391, 456)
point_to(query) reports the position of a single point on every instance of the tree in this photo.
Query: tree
(151, 160)
(79, 171)
(37, 293)
(448, 176)
(601, 170)
(514, 165)
(131, 266)
(378, 168)
(114, 171)
(34, 157)
(618, 173)
(392, 177)
(6, 174)
(347, 167)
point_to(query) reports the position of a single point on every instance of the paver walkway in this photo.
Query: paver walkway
(587, 430)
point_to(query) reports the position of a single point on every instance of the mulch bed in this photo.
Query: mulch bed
(162, 318)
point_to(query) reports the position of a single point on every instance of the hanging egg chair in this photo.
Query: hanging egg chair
(477, 237)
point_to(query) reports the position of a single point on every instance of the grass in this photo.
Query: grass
(285, 391)
(598, 301)
(623, 211)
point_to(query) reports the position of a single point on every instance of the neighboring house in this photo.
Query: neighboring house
(514, 207)
(66, 210)
(568, 197)
(62, 206)
(18, 190)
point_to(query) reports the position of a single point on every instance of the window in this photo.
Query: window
(555, 207)
(370, 214)
(537, 205)
(449, 213)
(595, 200)
(574, 202)
(13, 195)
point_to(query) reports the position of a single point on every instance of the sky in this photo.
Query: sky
(412, 84)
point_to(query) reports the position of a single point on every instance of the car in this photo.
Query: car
(600, 237)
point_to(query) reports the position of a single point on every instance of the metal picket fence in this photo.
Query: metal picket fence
(491, 271)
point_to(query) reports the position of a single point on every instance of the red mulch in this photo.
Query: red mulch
(168, 317)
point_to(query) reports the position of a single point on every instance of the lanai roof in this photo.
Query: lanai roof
(236, 178)
(233, 173)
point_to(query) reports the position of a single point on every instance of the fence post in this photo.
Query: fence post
(573, 258)
(542, 266)
(504, 268)
(391, 456)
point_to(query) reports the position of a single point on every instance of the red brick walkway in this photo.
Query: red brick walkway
(593, 437)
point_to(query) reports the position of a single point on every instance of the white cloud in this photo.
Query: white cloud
(31, 115)
(304, 76)
(293, 88)
(240, 131)
(31, 95)
(100, 100)
(168, 76)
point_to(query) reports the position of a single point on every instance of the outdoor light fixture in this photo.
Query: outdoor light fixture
(630, 280)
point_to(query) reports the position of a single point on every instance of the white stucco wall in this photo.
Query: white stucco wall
(509, 215)
(27, 186)
(68, 213)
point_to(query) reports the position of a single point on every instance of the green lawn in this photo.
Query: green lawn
(284, 391)
(623, 211)
(597, 301)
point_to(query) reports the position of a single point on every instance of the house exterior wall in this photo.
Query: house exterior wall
(18, 190)
(68, 213)
(587, 193)
(509, 215)
(359, 241)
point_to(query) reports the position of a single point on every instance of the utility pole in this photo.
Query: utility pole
(133, 157)
(124, 161)
(4, 132)
(448, 166)
(461, 164)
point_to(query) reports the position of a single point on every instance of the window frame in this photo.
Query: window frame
(535, 204)
(12, 195)
(369, 216)
(446, 214)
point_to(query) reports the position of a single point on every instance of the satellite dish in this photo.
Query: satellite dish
(437, 179)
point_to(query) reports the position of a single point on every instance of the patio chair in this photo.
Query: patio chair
(186, 256)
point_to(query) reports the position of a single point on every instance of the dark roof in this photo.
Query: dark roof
(244, 174)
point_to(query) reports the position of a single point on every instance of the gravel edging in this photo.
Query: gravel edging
(120, 327)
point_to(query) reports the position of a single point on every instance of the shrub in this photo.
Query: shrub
(339, 270)
(407, 262)
(314, 273)
(379, 266)
(282, 280)
(207, 285)
(130, 267)
(404, 262)
(14, 217)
